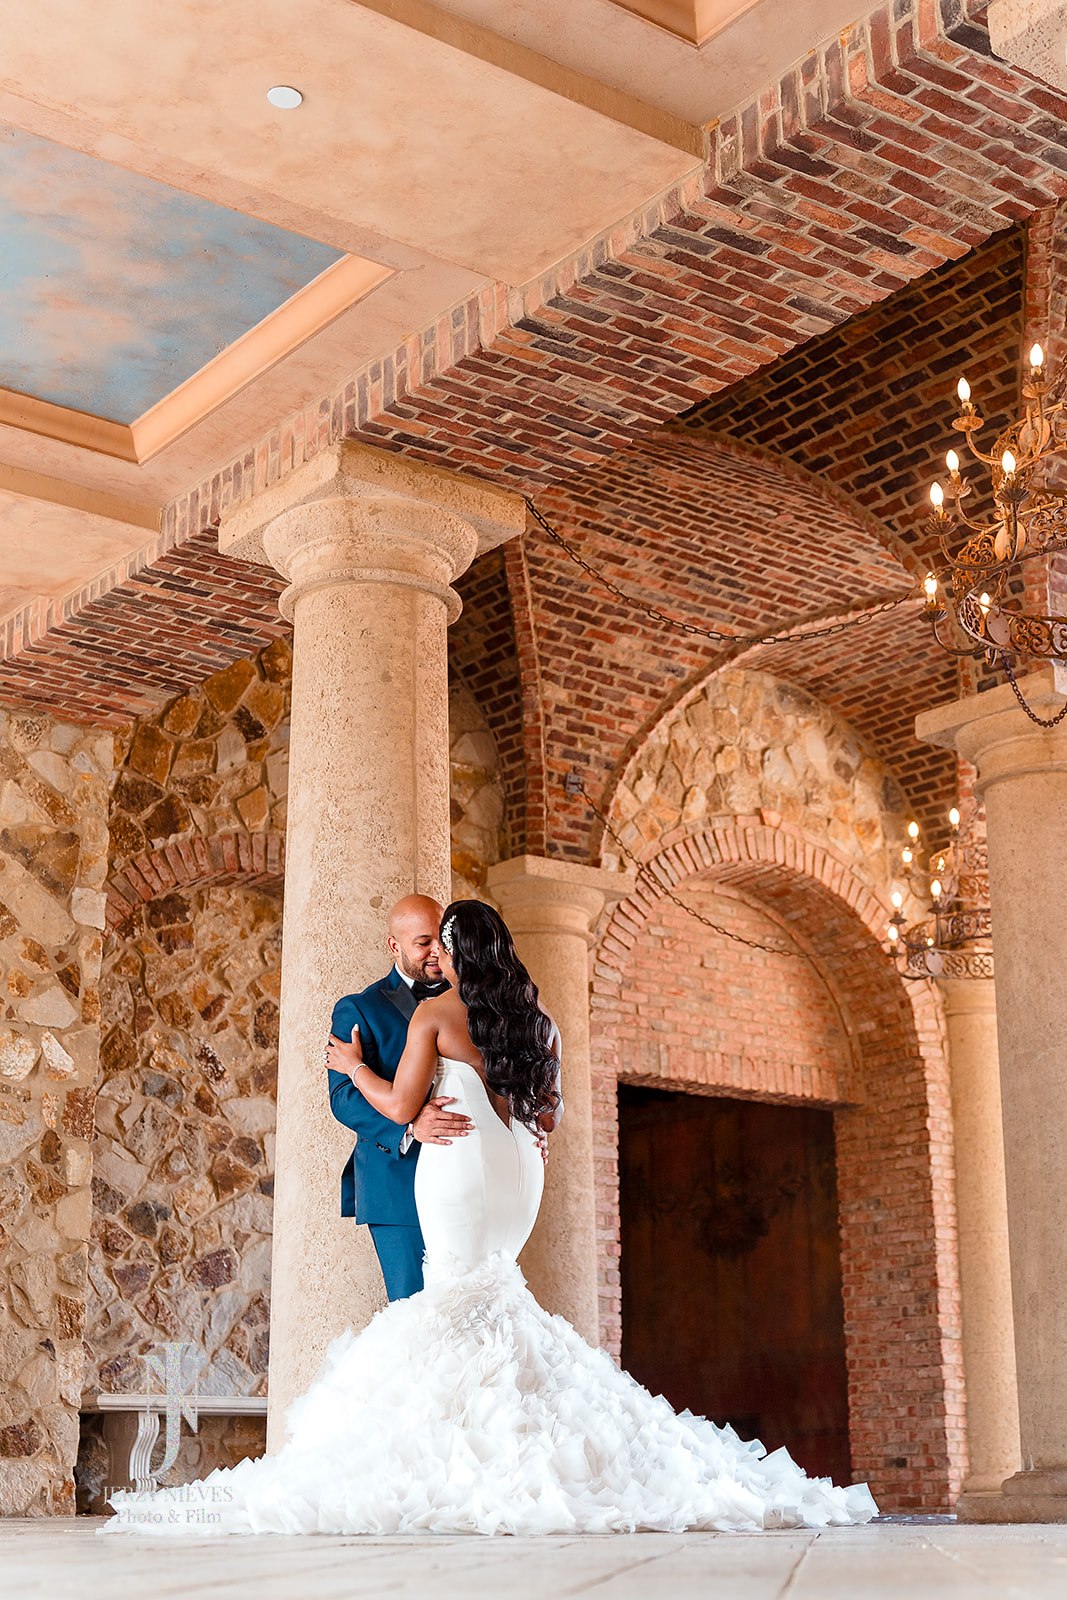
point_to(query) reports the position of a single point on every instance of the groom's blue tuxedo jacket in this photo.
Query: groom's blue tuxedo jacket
(378, 1183)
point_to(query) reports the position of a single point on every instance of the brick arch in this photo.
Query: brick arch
(656, 822)
(893, 1133)
(778, 472)
(925, 778)
(194, 861)
(710, 530)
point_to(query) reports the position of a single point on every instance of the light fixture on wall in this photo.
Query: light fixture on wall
(951, 939)
(975, 602)
(283, 97)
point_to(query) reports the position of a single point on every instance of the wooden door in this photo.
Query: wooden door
(731, 1271)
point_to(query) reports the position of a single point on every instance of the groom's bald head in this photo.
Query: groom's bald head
(414, 930)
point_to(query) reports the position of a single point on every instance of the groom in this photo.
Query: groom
(378, 1182)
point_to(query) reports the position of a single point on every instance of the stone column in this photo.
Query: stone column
(1031, 34)
(1022, 776)
(370, 544)
(985, 1271)
(552, 908)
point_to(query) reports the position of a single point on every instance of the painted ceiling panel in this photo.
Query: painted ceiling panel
(115, 289)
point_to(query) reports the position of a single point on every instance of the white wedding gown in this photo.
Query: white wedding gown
(469, 1409)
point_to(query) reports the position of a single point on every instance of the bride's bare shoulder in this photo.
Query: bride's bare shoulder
(448, 1000)
(441, 1008)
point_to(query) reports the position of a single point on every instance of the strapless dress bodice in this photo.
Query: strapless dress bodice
(480, 1194)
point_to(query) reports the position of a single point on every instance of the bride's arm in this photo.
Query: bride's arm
(550, 1120)
(403, 1099)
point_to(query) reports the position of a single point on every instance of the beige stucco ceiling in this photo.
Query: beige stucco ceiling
(457, 144)
(452, 148)
(749, 45)
(39, 557)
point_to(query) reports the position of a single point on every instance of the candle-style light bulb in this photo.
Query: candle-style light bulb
(937, 497)
(897, 898)
(954, 817)
(913, 830)
(930, 586)
(935, 888)
(984, 604)
(952, 462)
(893, 933)
(906, 856)
(963, 389)
(1037, 356)
(1008, 463)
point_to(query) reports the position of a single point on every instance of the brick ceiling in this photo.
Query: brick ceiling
(868, 407)
(893, 149)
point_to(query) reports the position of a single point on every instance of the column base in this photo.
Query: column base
(1035, 1496)
(980, 1505)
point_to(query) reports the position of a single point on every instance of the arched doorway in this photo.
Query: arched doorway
(892, 1129)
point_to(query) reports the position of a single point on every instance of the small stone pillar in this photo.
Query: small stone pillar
(1022, 776)
(985, 1269)
(370, 544)
(552, 908)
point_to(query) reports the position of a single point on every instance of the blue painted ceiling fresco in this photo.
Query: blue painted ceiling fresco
(114, 288)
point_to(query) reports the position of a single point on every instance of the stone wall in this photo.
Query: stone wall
(746, 743)
(477, 795)
(211, 762)
(53, 862)
(202, 789)
(185, 1116)
(184, 1138)
(183, 1155)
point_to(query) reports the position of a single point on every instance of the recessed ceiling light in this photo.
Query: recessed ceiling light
(284, 98)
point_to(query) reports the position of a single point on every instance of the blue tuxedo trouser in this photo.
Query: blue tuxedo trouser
(399, 1250)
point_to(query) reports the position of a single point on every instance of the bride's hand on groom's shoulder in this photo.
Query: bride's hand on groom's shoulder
(342, 1057)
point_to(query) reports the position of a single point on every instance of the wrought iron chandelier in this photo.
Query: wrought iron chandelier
(952, 938)
(974, 602)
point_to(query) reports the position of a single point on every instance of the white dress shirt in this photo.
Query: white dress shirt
(409, 1138)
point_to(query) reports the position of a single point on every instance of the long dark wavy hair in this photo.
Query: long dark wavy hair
(504, 1019)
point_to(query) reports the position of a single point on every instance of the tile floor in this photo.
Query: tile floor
(885, 1561)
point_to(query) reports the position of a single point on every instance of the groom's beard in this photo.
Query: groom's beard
(420, 971)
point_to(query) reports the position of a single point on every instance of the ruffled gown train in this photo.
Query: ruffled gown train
(470, 1409)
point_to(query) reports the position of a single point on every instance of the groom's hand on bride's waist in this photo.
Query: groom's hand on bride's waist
(435, 1125)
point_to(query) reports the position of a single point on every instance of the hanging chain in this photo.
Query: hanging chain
(1042, 722)
(644, 871)
(745, 640)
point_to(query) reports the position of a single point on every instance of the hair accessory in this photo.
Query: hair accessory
(446, 935)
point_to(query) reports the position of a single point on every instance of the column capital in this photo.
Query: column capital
(353, 514)
(968, 997)
(540, 894)
(1030, 34)
(993, 732)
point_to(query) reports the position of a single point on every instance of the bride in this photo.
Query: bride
(467, 1408)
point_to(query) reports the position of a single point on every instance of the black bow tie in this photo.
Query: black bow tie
(426, 991)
